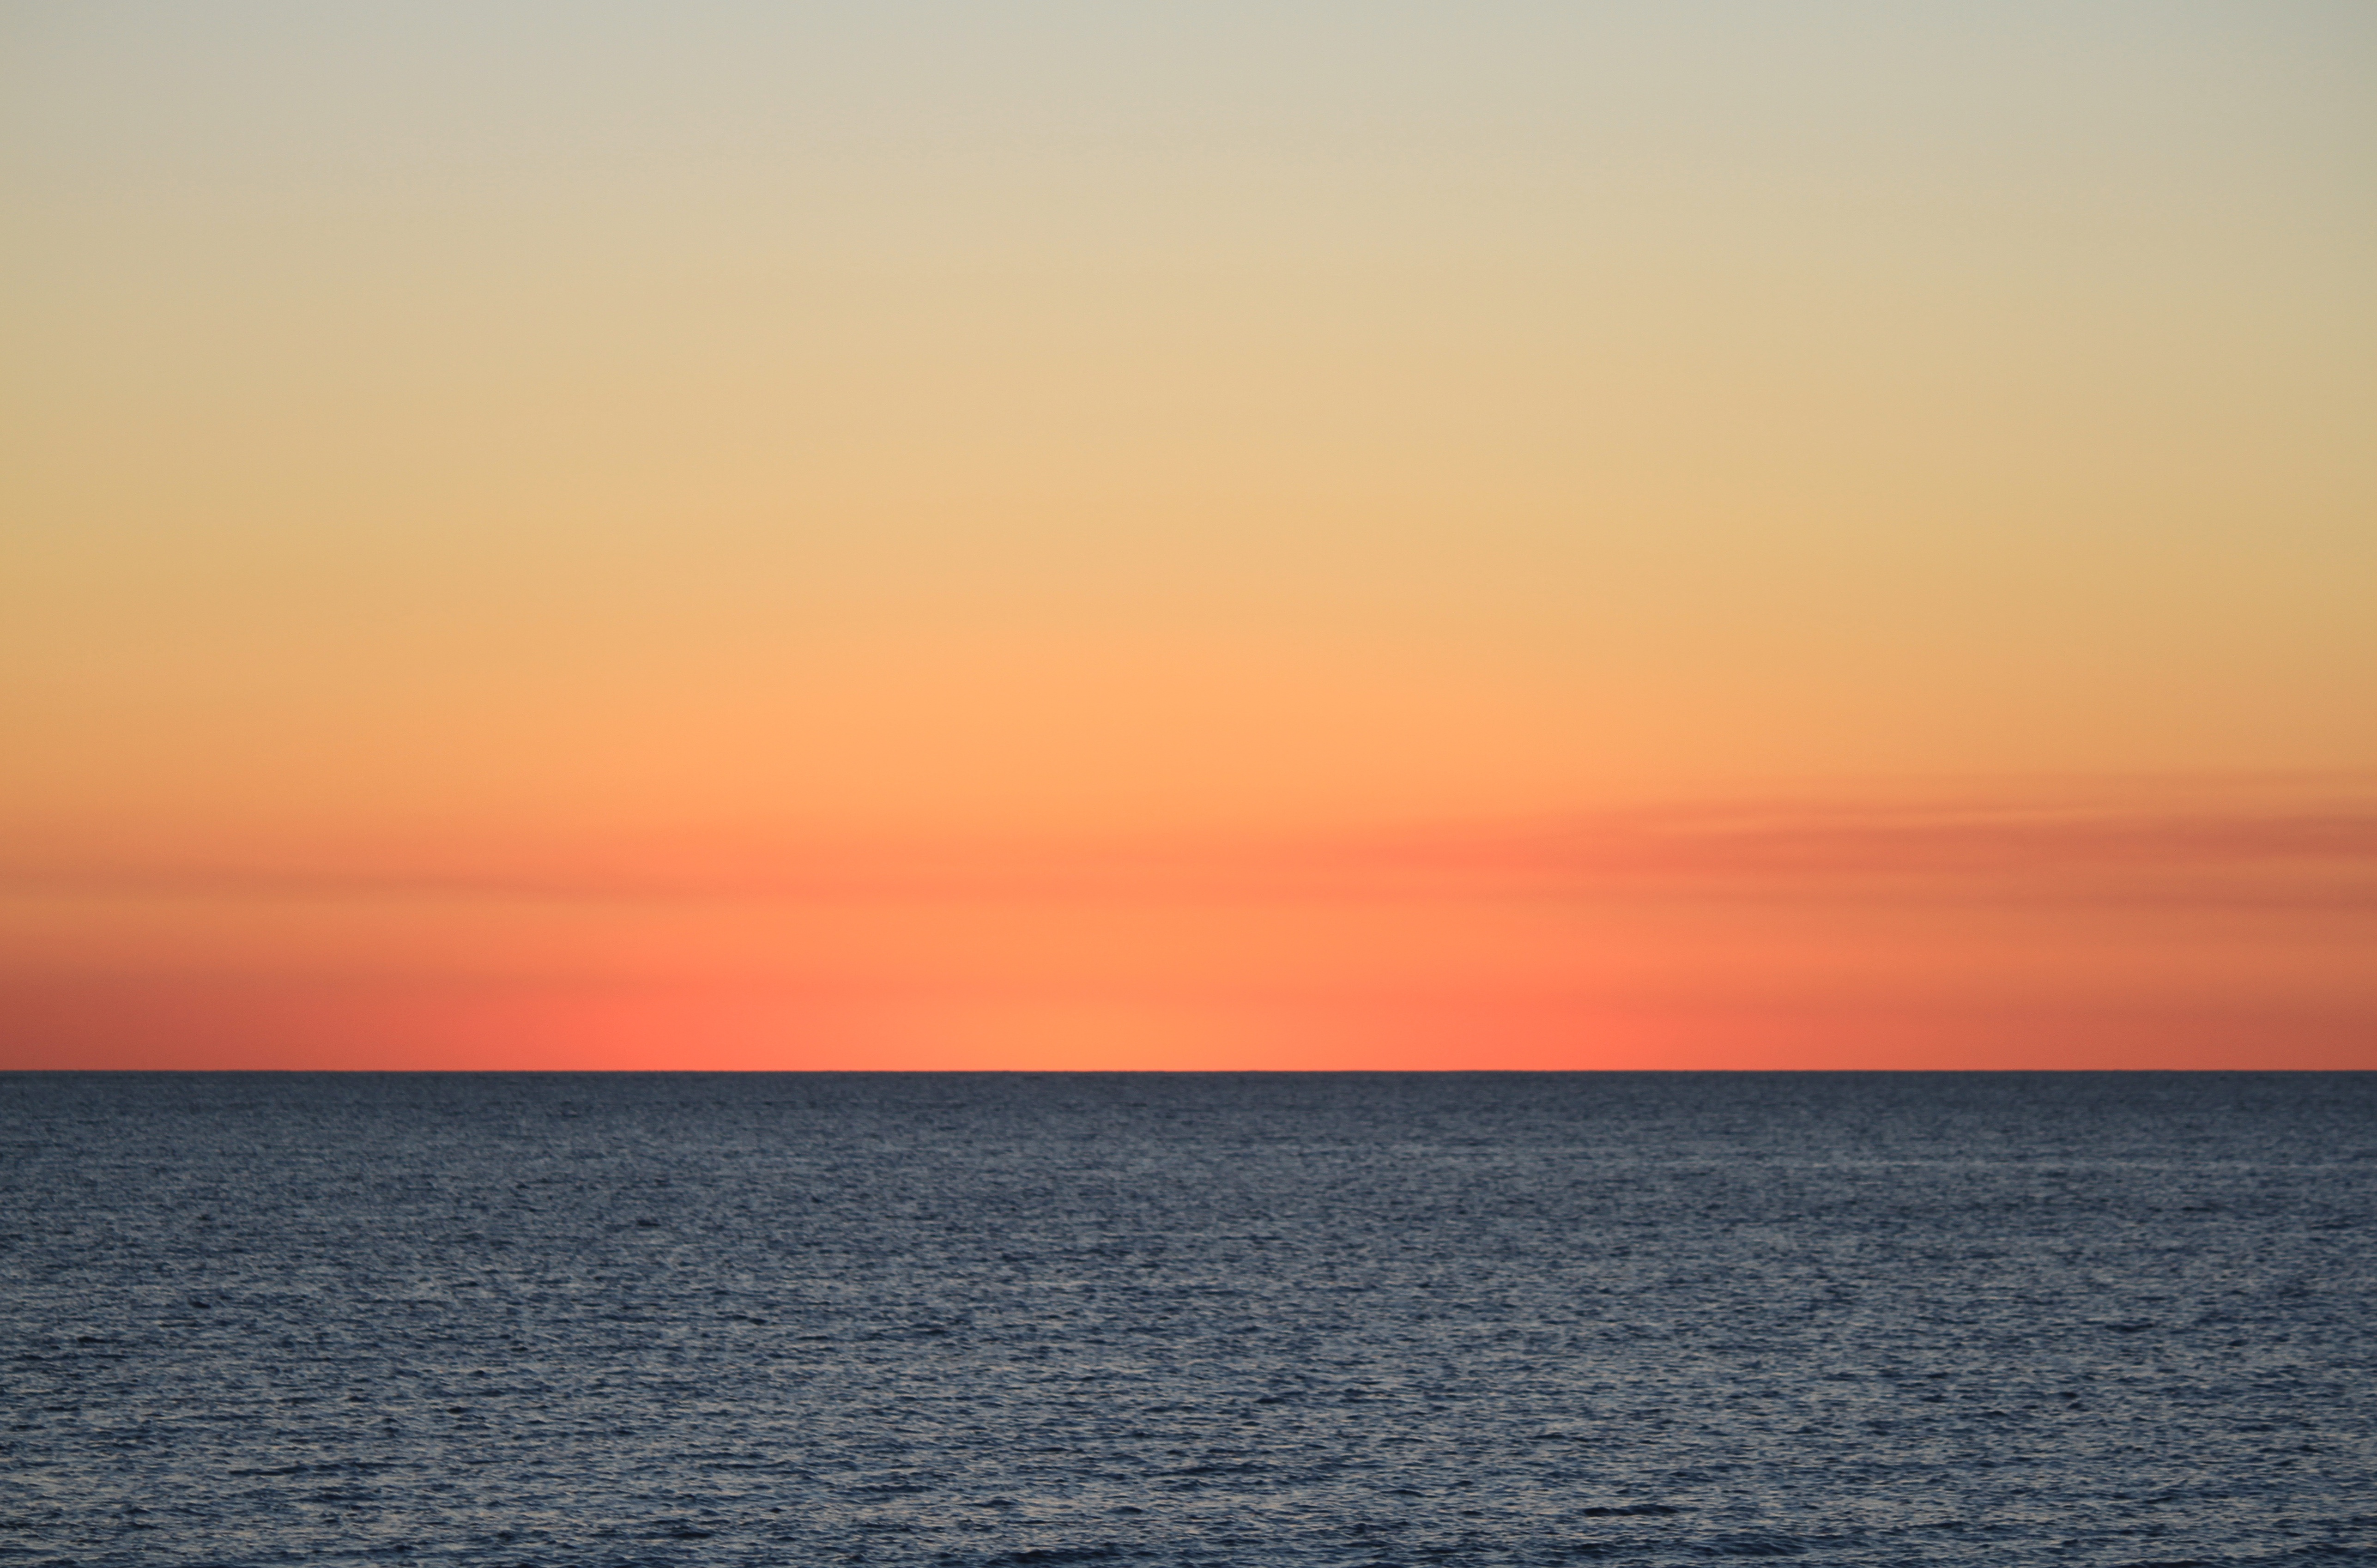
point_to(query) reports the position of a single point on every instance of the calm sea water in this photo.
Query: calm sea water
(1253, 1319)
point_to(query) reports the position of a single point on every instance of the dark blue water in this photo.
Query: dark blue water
(1292, 1319)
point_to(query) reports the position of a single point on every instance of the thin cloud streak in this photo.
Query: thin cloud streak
(2321, 854)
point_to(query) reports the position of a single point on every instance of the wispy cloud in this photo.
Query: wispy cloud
(2240, 843)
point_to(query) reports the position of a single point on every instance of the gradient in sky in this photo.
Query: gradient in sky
(1114, 535)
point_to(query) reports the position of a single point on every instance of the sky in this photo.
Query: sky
(1116, 536)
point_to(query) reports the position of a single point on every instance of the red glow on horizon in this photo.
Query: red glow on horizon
(269, 1027)
(1973, 936)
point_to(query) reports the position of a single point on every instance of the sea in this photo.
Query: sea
(1337, 1319)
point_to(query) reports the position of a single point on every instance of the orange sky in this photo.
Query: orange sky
(1252, 536)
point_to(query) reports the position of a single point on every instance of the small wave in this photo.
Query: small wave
(1752, 1545)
